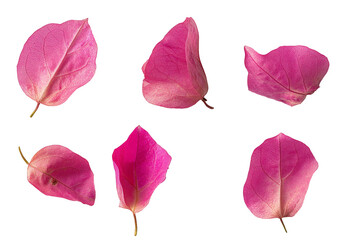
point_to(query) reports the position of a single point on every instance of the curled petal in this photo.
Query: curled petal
(287, 74)
(59, 172)
(173, 75)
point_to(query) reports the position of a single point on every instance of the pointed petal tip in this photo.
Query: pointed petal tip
(279, 136)
(247, 48)
(189, 21)
(282, 136)
(85, 20)
(139, 131)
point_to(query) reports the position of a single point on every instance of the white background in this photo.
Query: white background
(211, 149)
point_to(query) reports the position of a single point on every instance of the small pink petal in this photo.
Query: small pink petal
(287, 74)
(57, 171)
(278, 178)
(56, 60)
(174, 76)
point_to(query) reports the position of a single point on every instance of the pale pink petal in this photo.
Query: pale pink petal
(56, 60)
(173, 75)
(278, 178)
(287, 74)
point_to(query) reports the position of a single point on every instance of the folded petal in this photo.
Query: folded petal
(59, 172)
(173, 75)
(287, 74)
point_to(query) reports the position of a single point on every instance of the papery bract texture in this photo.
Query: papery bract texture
(140, 166)
(278, 178)
(287, 74)
(173, 75)
(56, 60)
(59, 172)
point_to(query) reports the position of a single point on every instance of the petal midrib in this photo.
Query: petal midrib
(274, 78)
(44, 93)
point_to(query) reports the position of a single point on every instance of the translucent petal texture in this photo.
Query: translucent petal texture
(56, 60)
(57, 171)
(140, 166)
(278, 178)
(174, 76)
(287, 74)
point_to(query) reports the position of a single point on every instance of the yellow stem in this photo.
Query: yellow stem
(135, 223)
(37, 106)
(23, 156)
(283, 224)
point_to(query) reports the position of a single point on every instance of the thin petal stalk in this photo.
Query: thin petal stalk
(23, 156)
(136, 227)
(204, 101)
(283, 224)
(37, 106)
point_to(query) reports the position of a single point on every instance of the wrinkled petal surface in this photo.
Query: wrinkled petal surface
(140, 166)
(56, 60)
(59, 172)
(174, 76)
(278, 178)
(287, 74)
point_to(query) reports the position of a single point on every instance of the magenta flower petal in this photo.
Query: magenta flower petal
(287, 74)
(57, 171)
(173, 75)
(56, 60)
(278, 178)
(140, 166)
